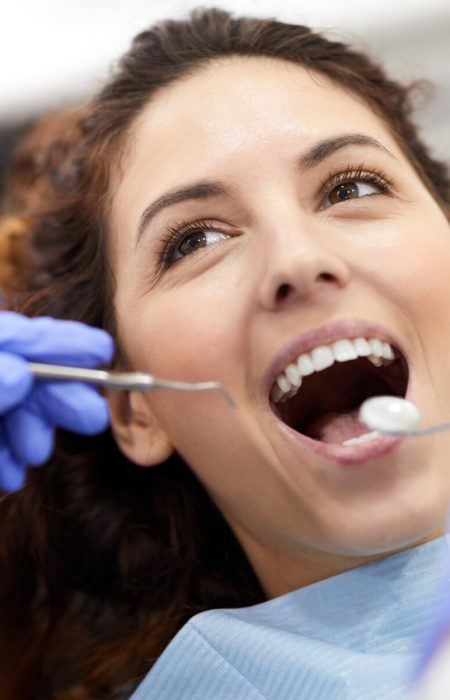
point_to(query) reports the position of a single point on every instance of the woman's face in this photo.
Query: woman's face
(262, 213)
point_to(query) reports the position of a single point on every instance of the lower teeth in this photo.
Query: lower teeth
(367, 437)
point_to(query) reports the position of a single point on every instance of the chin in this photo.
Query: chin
(389, 535)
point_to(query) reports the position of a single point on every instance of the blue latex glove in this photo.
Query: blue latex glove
(30, 409)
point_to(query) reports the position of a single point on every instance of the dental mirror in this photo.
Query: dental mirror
(392, 415)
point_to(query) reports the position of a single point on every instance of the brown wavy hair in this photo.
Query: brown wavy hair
(102, 561)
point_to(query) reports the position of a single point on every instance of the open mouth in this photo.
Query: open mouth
(319, 394)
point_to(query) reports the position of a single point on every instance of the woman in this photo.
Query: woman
(248, 202)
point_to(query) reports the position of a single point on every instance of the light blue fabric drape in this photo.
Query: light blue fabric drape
(355, 636)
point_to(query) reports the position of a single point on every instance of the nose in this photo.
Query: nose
(301, 267)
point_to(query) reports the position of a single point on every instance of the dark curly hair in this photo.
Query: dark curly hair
(103, 561)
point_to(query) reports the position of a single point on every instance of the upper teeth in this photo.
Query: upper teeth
(289, 381)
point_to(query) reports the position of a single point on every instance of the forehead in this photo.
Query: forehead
(235, 102)
(230, 113)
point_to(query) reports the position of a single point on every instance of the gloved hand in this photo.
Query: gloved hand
(30, 409)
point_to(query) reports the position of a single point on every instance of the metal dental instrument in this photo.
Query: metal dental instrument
(127, 381)
(391, 415)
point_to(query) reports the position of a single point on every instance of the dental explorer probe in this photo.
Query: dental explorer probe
(127, 381)
(391, 415)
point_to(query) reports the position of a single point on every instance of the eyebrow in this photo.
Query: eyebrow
(323, 149)
(209, 188)
(197, 191)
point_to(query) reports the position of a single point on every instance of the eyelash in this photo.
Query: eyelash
(373, 177)
(177, 233)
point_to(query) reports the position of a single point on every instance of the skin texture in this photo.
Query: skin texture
(287, 262)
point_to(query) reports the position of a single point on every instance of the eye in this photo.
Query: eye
(187, 238)
(195, 241)
(351, 190)
(353, 184)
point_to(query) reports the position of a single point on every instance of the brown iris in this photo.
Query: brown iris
(348, 190)
(192, 243)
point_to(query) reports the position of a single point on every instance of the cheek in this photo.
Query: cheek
(193, 332)
(409, 262)
(423, 276)
(192, 329)
(413, 274)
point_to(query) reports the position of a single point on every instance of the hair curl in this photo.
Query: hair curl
(105, 561)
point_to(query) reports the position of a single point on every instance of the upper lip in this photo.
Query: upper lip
(346, 328)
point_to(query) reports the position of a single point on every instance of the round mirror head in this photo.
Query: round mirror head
(389, 414)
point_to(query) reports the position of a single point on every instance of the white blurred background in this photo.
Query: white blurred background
(56, 52)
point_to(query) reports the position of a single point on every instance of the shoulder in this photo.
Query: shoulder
(198, 665)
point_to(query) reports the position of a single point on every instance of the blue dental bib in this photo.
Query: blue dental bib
(355, 636)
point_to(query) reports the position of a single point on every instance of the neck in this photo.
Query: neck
(280, 572)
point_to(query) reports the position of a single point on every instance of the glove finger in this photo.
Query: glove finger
(29, 435)
(12, 473)
(72, 405)
(51, 340)
(15, 381)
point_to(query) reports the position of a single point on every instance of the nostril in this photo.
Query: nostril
(326, 277)
(283, 292)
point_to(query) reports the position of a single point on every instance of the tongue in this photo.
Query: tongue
(336, 427)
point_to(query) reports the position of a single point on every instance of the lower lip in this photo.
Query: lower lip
(346, 455)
